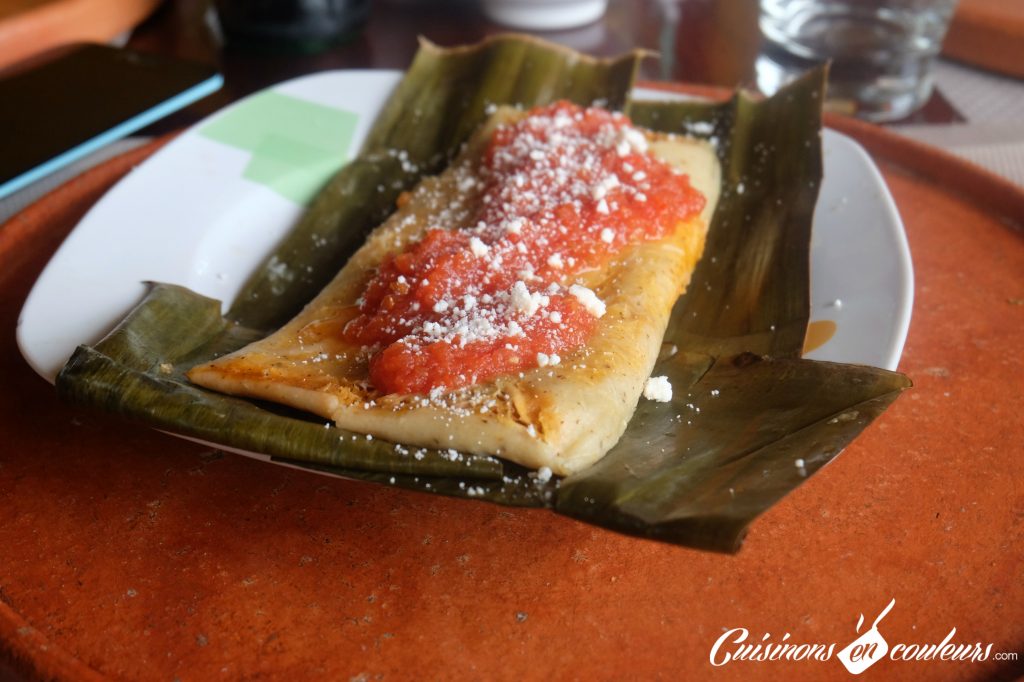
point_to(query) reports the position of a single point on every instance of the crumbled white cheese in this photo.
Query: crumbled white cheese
(701, 127)
(658, 389)
(607, 235)
(588, 299)
(600, 189)
(521, 299)
(525, 302)
(544, 360)
(478, 248)
(629, 140)
(515, 225)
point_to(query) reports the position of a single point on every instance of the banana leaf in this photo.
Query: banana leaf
(138, 371)
(698, 470)
(749, 420)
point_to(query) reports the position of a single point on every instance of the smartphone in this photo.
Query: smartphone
(67, 103)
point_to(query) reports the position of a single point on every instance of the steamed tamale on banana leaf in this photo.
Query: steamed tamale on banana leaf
(749, 420)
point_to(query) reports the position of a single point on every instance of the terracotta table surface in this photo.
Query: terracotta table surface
(28, 27)
(129, 554)
(989, 34)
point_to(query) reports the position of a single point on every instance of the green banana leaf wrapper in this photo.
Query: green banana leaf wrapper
(749, 420)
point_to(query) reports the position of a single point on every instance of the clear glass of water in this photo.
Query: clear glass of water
(880, 51)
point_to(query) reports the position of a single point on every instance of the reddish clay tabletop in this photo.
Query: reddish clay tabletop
(129, 554)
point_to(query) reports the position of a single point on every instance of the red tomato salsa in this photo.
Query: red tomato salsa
(564, 188)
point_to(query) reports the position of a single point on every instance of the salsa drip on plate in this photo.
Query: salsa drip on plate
(563, 189)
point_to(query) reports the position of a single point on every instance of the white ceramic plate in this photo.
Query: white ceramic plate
(205, 210)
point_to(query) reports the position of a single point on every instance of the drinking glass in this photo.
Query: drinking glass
(880, 51)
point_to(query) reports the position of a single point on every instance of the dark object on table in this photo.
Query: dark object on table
(111, 92)
(291, 25)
